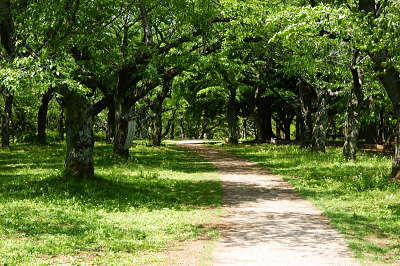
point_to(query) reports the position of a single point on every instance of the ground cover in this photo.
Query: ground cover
(160, 196)
(354, 195)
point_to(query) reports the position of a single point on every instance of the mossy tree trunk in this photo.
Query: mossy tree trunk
(80, 141)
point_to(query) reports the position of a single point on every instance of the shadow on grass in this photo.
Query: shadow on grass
(172, 158)
(52, 157)
(100, 193)
(114, 191)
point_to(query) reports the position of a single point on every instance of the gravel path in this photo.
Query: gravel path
(265, 222)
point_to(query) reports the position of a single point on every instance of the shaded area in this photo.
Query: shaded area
(113, 189)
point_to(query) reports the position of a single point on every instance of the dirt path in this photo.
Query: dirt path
(266, 223)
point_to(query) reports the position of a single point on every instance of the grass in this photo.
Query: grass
(134, 207)
(354, 195)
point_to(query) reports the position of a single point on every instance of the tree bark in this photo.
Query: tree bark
(156, 124)
(121, 127)
(42, 116)
(352, 125)
(277, 130)
(6, 120)
(299, 123)
(306, 116)
(80, 141)
(61, 128)
(287, 124)
(110, 123)
(262, 117)
(232, 115)
(172, 132)
(6, 28)
(321, 124)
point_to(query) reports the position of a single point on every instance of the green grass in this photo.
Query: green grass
(354, 195)
(133, 208)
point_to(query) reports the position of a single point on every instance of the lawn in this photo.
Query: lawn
(354, 195)
(133, 209)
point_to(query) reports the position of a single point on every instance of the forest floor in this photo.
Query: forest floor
(265, 221)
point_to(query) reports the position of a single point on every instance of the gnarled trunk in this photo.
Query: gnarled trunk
(80, 141)
(42, 116)
(6, 120)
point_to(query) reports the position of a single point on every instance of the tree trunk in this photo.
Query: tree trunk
(156, 125)
(110, 123)
(232, 115)
(321, 124)
(287, 124)
(80, 141)
(306, 113)
(42, 116)
(352, 125)
(277, 130)
(172, 133)
(245, 129)
(299, 123)
(6, 119)
(262, 117)
(182, 129)
(121, 128)
(395, 174)
(61, 129)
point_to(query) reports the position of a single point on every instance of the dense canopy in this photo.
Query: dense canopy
(246, 70)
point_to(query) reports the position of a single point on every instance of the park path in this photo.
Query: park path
(265, 222)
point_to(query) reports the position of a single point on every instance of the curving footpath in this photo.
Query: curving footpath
(265, 222)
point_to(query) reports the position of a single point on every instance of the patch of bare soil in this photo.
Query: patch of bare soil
(195, 252)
